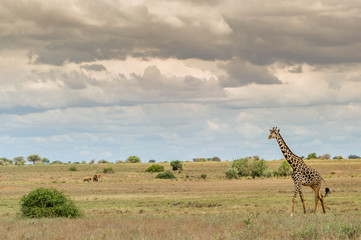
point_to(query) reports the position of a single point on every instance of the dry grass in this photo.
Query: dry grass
(132, 204)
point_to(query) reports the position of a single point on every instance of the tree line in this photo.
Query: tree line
(36, 159)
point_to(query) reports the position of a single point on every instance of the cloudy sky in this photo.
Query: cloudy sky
(169, 80)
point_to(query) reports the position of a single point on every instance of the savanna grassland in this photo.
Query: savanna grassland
(132, 204)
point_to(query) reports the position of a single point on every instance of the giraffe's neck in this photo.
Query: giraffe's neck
(291, 158)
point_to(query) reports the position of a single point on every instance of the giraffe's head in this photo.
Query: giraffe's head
(274, 132)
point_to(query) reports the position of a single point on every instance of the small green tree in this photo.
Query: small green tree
(48, 202)
(176, 165)
(34, 159)
(19, 160)
(45, 160)
(133, 159)
(312, 156)
(284, 169)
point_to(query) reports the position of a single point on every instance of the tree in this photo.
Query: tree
(200, 160)
(326, 156)
(312, 156)
(45, 160)
(353, 156)
(133, 159)
(176, 165)
(34, 159)
(19, 160)
(5, 161)
(215, 159)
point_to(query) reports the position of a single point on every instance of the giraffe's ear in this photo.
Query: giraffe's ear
(278, 130)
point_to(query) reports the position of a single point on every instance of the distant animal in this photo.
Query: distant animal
(96, 177)
(87, 179)
(302, 174)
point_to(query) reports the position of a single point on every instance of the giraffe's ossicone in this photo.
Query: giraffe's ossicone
(301, 175)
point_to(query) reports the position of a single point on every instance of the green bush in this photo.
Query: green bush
(165, 175)
(284, 169)
(48, 202)
(231, 173)
(245, 167)
(258, 168)
(204, 176)
(155, 168)
(242, 167)
(176, 165)
(312, 156)
(133, 159)
(73, 168)
(108, 170)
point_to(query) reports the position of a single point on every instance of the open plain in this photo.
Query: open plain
(132, 204)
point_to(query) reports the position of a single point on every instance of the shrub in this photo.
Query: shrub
(231, 173)
(249, 167)
(204, 176)
(176, 165)
(200, 160)
(155, 168)
(103, 161)
(284, 169)
(133, 159)
(215, 159)
(258, 168)
(5, 161)
(312, 156)
(48, 202)
(242, 167)
(73, 168)
(108, 170)
(165, 175)
(353, 156)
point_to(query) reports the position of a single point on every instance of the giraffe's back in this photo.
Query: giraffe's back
(309, 176)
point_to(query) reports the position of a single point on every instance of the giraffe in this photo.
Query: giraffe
(301, 175)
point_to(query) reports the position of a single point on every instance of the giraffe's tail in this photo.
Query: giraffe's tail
(327, 190)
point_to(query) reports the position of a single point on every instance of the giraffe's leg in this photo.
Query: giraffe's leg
(322, 203)
(316, 201)
(294, 200)
(316, 189)
(303, 201)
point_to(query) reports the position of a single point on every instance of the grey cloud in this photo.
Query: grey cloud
(292, 32)
(243, 73)
(296, 69)
(94, 67)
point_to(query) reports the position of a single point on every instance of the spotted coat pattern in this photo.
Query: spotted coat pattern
(301, 175)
